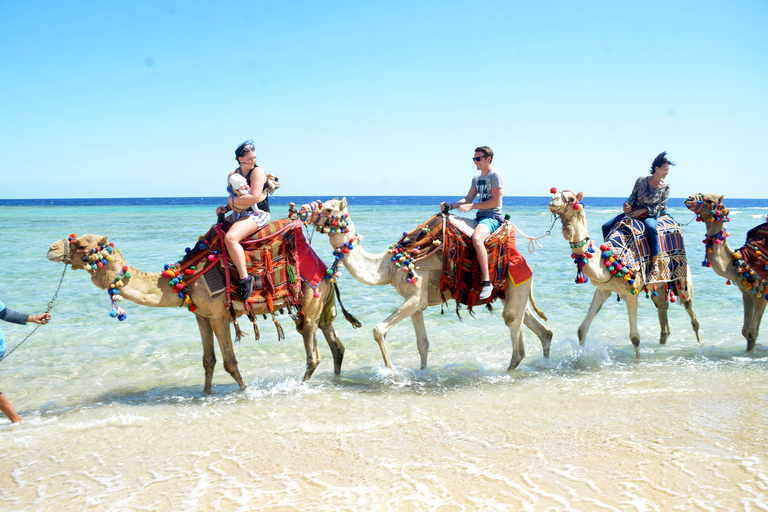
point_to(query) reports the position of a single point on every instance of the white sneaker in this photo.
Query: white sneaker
(486, 291)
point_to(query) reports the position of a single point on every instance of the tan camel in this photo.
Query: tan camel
(709, 208)
(566, 206)
(378, 270)
(213, 317)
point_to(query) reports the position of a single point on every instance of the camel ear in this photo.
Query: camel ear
(720, 199)
(103, 241)
(579, 196)
(343, 204)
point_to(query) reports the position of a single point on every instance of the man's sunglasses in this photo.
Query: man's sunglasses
(477, 158)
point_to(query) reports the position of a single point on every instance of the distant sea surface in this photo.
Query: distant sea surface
(115, 418)
(509, 201)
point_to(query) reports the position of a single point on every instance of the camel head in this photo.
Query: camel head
(333, 217)
(73, 250)
(565, 203)
(708, 208)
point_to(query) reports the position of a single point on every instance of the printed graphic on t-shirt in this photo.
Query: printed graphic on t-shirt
(484, 189)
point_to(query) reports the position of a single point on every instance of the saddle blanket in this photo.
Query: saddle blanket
(461, 272)
(628, 241)
(755, 251)
(276, 258)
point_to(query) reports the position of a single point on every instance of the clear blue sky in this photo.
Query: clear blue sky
(139, 98)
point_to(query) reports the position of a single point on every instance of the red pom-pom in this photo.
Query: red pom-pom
(553, 190)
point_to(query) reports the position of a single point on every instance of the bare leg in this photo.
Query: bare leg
(8, 409)
(239, 231)
(479, 237)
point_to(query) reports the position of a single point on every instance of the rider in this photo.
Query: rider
(647, 202)
(250, 212)
(488, 187)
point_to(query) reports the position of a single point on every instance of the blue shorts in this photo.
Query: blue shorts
(493, 224)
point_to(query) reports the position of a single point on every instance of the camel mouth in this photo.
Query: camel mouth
(57, 251)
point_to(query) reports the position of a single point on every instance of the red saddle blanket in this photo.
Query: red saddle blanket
(461, 272)
(277, 258)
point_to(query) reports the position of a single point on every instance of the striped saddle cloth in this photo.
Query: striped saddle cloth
(628, 241)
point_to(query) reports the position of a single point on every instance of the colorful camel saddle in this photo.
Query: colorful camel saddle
(278, 258)
(751, 261)
(460, 274)
(628, 242)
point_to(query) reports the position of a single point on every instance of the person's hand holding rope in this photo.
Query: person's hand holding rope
(42, 318)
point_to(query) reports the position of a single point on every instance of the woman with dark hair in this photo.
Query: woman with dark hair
(647, 202)
(251, 211)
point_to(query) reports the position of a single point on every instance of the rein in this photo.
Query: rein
(51, 304)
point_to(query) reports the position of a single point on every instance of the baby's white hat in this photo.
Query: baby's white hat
(237, 181)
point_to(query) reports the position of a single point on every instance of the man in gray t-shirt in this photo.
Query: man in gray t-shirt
(488, 188)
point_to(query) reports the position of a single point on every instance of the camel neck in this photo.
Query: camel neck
(144, 288)
(369, 269)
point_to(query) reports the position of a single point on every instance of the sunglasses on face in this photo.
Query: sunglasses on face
(477, 158)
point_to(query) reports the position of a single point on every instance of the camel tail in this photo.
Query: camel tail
(535, 307)
(349, 316)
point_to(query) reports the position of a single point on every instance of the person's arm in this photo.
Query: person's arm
(632, 199)
(470, 196)
(16, 317)
(496, 194)
(13, 317)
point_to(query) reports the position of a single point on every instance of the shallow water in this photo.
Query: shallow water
(116, 419)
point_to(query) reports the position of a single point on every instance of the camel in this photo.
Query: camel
(567, 207)
(378, 270)
(211, 313)
(720, 256)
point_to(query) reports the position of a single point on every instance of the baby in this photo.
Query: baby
(238, 185)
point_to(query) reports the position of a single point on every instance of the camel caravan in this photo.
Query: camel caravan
(642, 253)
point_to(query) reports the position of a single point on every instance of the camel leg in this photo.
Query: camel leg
(634, 335)
(760, 304)
(540, 330)
(598, 299)
(662, 309)
(408, 308)
(224, 335)
(753, 314)
(422, 342)
(337, 349)
(749, 315)
(513, 318)
(309, 333)
(209, 355)
(688, 303)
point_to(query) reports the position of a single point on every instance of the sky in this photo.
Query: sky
(349, 98)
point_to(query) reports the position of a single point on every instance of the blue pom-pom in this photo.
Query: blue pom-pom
(166, 266)
(113, 313)
(122, 317)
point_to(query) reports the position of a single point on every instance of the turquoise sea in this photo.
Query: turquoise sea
(115, 418)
